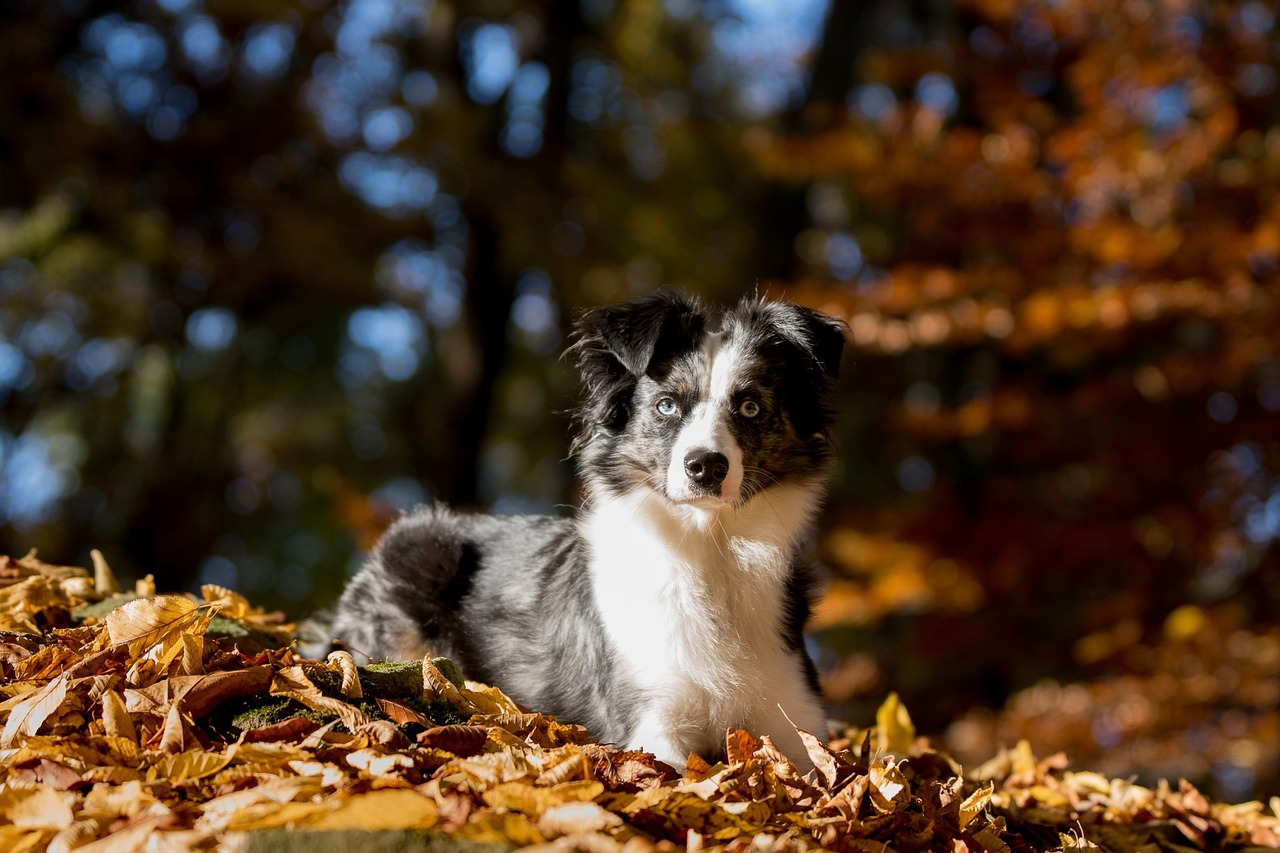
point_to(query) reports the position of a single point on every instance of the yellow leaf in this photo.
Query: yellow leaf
(19, 602)
(193, 764)
(974, 804)
(192, 654)
(16, 840)
(894, 728)
(574, 818)
(502, 828)
(388, 808)
(43, 808)
(122, 799)
(265, 816)
(77, 834)
(489, 700)
(131, 838)
(104, 580)
(350, 716)
(146, 621)
(890, 790)
(29, 714)
(115, 718)
(232, 603)
(377, 763)
(523, 797)
(173, 738)
(219, 812)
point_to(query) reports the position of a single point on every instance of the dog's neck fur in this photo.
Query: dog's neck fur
(694, 596)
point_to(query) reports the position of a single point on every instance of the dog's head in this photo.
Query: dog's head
(705, 418)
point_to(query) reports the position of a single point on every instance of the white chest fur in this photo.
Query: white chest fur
(693, 601)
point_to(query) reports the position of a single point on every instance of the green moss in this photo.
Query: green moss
(400, 680)
(102, 608)
(246, 713)
(393, 680)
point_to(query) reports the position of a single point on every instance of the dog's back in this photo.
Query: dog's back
(505, 597)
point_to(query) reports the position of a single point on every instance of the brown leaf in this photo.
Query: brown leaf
(436, 686)
(290, 729)
(739, 746)
(400, 713)
(462, 741)
(199, 694)
(350, 717)
(831, 770)
(51, 773)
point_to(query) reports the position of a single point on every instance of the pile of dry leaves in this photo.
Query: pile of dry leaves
(149, 722)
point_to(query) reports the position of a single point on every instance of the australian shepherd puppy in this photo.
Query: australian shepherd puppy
(672, 606)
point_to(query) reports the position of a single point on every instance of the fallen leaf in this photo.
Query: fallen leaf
(42, 808)
(974, 804)
(29, 715)
(193, 764)
(460, 740)
(389, 808)
(575, 818)
(146, 621)
(104, 580)
(740, 745)
(894, 728)
(525, 798)
(345, 664)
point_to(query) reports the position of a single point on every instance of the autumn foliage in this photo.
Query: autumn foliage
(153, 727)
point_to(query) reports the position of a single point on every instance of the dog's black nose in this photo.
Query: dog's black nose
(706, 467)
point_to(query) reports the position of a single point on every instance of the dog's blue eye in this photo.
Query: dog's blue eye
(667, 407)
(749, 408)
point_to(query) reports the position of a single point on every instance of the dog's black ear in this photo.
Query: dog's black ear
(642, 335)
(827, 335)
(817, 335)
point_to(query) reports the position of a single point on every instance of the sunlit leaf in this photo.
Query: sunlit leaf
(894, 729)
(26, 718)
(146, 621)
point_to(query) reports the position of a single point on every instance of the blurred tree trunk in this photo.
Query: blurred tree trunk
(478, 357)
(782, 212)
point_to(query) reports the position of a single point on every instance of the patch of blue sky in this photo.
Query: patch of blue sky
(394, 184)
(766, 42)
(490, 58)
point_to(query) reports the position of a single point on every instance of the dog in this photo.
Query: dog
(672, 607)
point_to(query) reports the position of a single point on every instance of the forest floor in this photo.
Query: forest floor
(136, 721)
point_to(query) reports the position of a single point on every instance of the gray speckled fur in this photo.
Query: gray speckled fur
(510, 598)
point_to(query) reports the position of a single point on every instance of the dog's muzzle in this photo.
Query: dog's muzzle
(706, 469)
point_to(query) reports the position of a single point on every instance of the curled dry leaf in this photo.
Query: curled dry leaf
(462, 741)
(345, 664)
